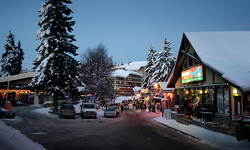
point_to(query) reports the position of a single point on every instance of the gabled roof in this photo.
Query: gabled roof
(228, 53)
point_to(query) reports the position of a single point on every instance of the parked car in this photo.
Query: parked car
(88, 110)
(67, 110)
(116, 109)
(60, 102)
(130, 101)
(110, 112)
(7, 114)
(124, 101)
(125, 106)
(41, 101)
(115, 104)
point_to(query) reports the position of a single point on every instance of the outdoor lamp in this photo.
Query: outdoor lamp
(155, 85)
(200, 91)
(235, 91)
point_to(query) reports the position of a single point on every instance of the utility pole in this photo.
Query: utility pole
(6, 98)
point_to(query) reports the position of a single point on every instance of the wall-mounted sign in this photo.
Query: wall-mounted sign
(192, 75)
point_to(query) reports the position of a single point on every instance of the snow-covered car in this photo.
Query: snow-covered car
(7, 114)
(88, 110)
(67, 110)
(110, 112)
(60, 102)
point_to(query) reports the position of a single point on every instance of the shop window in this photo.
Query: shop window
(220, 101)
(226, 101)
(209, 100)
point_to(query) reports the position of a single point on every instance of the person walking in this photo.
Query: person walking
(122, 108)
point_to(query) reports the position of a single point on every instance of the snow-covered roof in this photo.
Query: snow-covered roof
(227, 52)
(136, 65)
(125, 73)
(133, 65)
(136, 88)
(18, 77)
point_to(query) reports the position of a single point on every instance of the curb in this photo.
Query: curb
(178, 131)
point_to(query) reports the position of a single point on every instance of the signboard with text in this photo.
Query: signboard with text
(192, 75)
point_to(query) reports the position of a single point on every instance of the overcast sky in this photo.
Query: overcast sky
(125, 27)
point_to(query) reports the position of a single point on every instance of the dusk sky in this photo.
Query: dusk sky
(125, 27)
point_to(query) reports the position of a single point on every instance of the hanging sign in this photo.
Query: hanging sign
(192, 75)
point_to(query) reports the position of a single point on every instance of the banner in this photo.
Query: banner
(167, 113)
(192, 75)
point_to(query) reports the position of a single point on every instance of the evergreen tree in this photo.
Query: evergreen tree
(20, 57)
(95, 73)
(9, 60)
(163, 63)
(57, 69)
(148, 68)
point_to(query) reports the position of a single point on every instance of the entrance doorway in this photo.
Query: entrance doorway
(237, 105)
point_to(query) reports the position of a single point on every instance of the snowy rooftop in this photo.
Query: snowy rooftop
(125, 73)
(226, 52)
(133, 65)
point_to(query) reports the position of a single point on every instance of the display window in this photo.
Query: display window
(220, 101)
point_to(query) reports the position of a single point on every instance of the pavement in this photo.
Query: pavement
(221, 140)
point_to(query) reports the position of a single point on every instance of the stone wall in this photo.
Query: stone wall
(221, 118)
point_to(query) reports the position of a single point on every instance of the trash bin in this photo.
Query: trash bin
(8, 106)
(247, 129)
(239, 129)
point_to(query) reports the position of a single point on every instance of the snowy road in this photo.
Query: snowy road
(131, 130)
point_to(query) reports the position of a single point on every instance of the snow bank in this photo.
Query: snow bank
(11, 139)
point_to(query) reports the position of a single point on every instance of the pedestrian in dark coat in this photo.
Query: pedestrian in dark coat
(121, 108)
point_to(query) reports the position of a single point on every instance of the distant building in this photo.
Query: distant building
(128, 75)
(126, 78)
(137, 66)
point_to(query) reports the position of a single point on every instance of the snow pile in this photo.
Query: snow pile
(14, 139)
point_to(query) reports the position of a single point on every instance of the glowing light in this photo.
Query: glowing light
(235, 91)
(155, 85)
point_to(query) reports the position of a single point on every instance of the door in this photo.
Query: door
(237, 105)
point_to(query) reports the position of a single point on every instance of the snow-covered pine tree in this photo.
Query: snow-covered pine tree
(19, 57)
(163, 63)
(8, 60)
(96, 68)
(148, 68)
(57, 69)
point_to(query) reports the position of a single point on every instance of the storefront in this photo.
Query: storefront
(15, 94)
(15, 88)
(205, 80)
